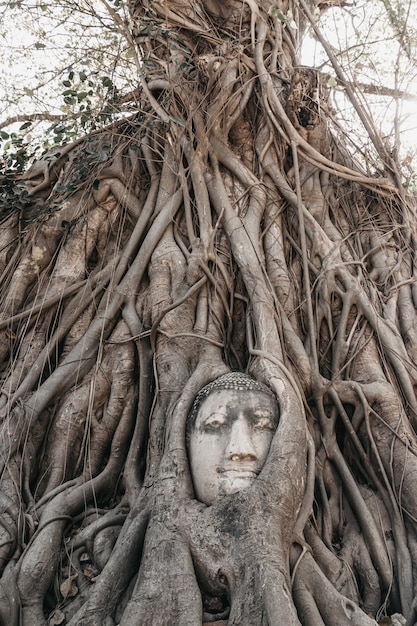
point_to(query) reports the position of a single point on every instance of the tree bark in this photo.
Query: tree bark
(227, 230)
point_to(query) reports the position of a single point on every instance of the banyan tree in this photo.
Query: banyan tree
(222, 226)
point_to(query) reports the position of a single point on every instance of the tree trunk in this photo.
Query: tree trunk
(227, 229)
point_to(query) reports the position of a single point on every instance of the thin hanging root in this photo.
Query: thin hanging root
(306, 273)
(194, 289)
(318, 602)
(37, 567)
(246, 253)
(368, 526)
(307, 505)
(280, 120)
(81, 358)
(50, 302)
(72, 313)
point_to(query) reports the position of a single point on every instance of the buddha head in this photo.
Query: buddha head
(229, 433)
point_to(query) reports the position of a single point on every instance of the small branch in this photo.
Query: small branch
(387, 92)
(37, 117)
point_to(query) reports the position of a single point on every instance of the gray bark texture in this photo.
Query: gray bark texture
(222, 226)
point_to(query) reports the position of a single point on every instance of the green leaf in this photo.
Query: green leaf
(332, 82)
(25, 125)
(4, 135)
(276, 12)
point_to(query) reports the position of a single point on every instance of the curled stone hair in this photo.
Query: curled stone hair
(236, 381)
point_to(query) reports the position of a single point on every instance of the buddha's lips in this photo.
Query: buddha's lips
(238, 472)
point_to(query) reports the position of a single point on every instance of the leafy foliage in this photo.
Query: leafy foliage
(79, 71)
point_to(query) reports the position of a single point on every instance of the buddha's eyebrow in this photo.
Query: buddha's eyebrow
(217, 413)
(264, 412)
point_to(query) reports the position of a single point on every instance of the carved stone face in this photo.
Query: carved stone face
(230, 440)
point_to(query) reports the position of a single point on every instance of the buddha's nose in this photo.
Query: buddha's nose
(240, 445)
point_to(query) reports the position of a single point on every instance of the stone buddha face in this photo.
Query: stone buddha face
(230, 434)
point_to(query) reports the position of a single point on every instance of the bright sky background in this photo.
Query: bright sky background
(383, 63)
(41, 48)
(36, 46)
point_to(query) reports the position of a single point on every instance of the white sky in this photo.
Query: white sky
(35, 46)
